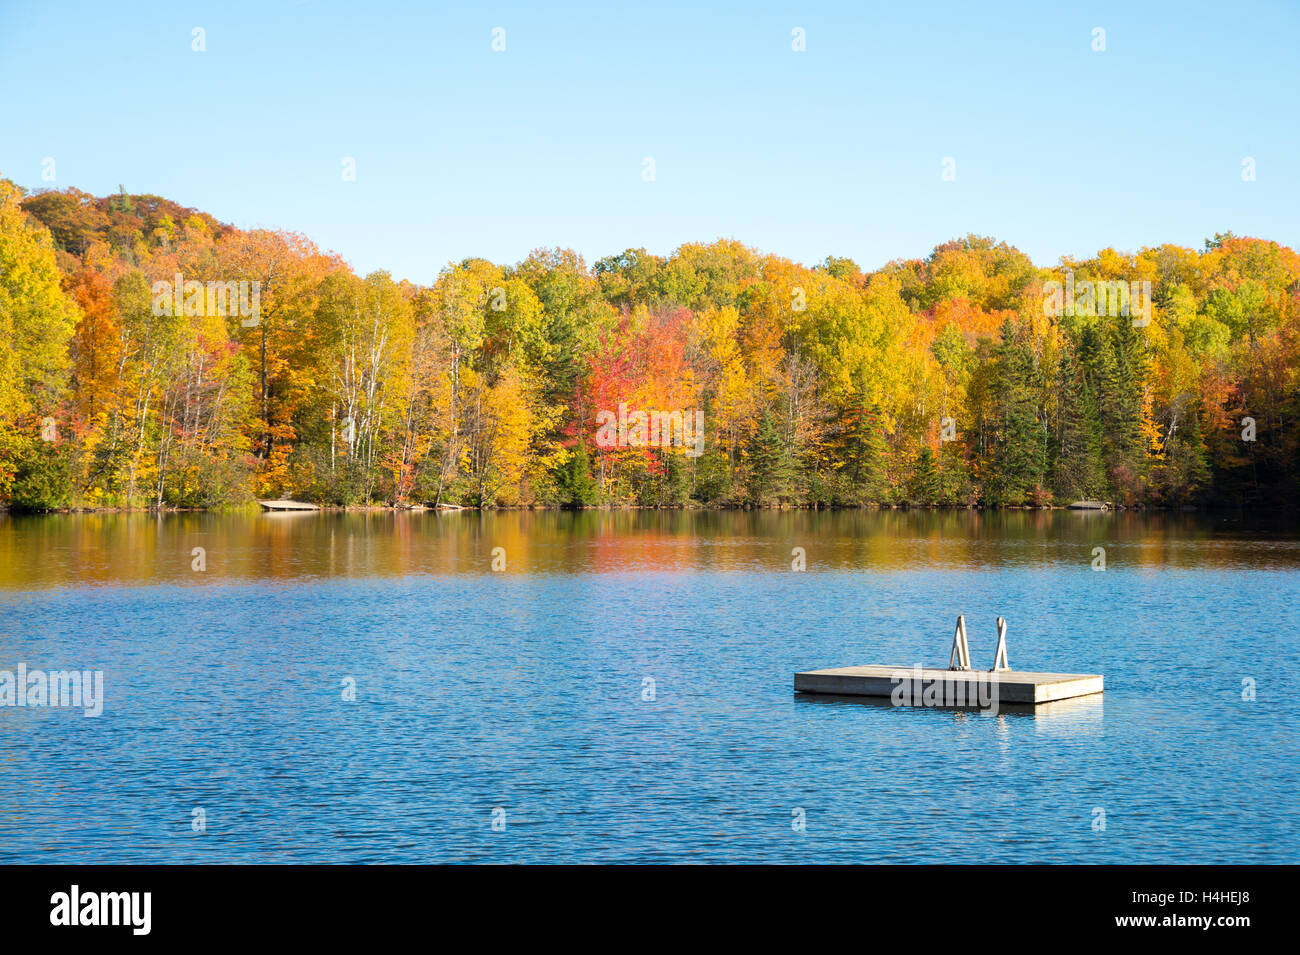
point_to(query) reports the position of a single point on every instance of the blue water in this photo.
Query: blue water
(524, 692)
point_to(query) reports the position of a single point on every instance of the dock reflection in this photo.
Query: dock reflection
(1080, 713)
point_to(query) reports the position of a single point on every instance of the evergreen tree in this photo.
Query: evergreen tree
(769, 461)
(576, 486)
(1078, 469)
(1017, 459)
(1185, 454)
(926, 487)
(954, 474)
(861, 448)
(1119, 367)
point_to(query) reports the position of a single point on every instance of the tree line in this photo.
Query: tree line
(948, 380)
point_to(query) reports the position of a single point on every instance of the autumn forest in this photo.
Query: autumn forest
(935, 381)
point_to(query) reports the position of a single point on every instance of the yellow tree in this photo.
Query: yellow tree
(283, 337)
(37, 320)
(367, 327)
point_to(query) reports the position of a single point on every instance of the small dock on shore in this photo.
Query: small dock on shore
(287, 506)
(955, 685)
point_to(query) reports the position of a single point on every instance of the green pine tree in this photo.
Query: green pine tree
(1078, 470)
(926, 487)
(1188, 467)
(1017, 454)
(769, 461)
(1116, 359)
(861, 447)
(576, 485)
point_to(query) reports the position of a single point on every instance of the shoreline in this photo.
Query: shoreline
(427, 509)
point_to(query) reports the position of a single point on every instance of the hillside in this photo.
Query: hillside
(973, 376)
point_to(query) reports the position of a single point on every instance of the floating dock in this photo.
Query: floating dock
(287, 506)
(919, 686)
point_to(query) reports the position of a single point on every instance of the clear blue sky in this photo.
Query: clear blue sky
(462, 151)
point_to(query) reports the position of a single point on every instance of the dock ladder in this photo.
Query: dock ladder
(959, 658)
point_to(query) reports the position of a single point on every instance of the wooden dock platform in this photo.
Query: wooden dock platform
(287, 506)
(923, 686)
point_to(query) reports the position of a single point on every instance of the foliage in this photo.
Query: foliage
(934, 381)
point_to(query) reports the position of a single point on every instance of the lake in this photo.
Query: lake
(365, 687)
